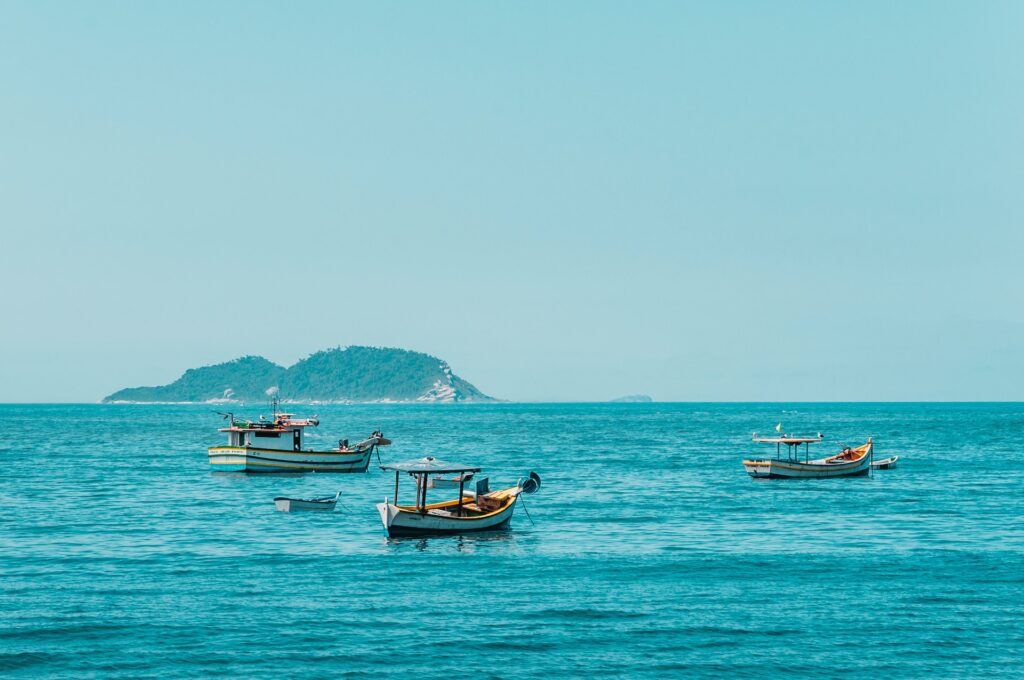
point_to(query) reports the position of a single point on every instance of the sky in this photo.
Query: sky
(746, 201)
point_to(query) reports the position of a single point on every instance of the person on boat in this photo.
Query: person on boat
(343, 444)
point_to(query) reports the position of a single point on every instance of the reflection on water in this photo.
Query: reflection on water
(457, 542)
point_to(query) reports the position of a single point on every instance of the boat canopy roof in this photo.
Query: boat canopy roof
(786, 439)
(429, 465)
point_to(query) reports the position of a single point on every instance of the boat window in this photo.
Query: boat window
(275, 435)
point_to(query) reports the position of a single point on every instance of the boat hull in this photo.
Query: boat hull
(777, 468)
(293, 504)
(251, 459)
(400, 521)
(886, 463)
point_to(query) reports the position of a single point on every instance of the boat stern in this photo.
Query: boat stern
(227, 458)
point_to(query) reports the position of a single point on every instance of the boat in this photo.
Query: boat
(885, 464)
(474, 510)
(324, 504)
(278, 445)
(849, 462)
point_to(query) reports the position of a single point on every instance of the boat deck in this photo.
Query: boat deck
(470, 508)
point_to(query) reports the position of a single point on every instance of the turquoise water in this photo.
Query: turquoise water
(652, 552)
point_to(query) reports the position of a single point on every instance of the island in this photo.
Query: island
(633, 399)
(340, 375)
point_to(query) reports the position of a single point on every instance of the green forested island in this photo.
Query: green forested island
(351, 374)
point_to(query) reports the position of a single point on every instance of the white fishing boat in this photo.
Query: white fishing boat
(471, 511)
(278, 445)
(885, 464)
(849, 462)
(323, 504)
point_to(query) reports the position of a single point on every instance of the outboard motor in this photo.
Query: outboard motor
(531, 484)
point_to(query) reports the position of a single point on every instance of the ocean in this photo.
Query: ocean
(648, 551)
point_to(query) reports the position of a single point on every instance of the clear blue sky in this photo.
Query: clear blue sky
(715, 201)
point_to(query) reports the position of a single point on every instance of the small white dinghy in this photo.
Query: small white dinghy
(885, 463)
(325, 504)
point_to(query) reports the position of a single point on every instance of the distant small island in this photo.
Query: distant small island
(633, 399)
(340, 375)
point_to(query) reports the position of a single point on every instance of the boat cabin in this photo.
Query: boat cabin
(283, 433)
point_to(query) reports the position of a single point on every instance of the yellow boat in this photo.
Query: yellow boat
(471, 511)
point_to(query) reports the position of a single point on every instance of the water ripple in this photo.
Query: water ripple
(652, 552)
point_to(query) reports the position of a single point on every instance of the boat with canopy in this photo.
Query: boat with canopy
(479, 509)
(847, 463)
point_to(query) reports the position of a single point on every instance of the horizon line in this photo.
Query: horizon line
(504, 402)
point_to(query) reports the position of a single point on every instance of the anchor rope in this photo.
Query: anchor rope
(523, 501)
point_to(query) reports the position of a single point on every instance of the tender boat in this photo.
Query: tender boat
(324, 504)
(885, 463)
(478, 510)
(849, 462)
(277, 445)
